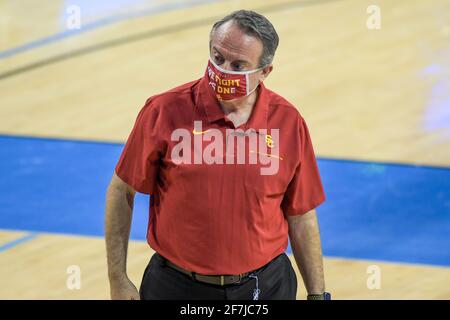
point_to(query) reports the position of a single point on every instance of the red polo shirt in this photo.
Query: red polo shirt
(219, 218)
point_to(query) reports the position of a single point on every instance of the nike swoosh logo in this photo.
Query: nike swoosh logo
(199, 132)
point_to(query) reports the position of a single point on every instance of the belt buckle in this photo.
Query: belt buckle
(222, 279)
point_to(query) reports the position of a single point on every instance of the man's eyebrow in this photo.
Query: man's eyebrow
(234, 61)
(217, 51)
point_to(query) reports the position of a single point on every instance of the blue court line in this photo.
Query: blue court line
(373, 211)
(120, 144)
(100, 23)
(9, 245)
(56, 139)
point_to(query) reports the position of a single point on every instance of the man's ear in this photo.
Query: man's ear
(265, 72)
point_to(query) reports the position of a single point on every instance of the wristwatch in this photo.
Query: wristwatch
(323, 296)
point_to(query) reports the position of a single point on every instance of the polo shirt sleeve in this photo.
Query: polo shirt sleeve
(305, 191)
(138, 163)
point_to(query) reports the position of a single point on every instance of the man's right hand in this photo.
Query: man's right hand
(123, 289)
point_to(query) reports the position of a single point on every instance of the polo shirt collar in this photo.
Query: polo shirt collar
(208, 101)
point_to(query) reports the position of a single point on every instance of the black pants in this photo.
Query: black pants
(276, 281)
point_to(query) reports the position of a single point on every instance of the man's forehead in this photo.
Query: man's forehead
(230, 39)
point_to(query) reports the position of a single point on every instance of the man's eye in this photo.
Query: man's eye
(218, 59)
(238, 67)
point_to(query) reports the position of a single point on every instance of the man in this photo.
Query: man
(232, 174)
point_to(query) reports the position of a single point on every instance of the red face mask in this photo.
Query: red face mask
(229, 85)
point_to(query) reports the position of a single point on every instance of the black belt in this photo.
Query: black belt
(221, 280)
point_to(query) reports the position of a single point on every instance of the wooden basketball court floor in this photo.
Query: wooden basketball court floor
(377, 102)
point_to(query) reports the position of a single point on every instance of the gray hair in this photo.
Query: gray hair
(256, 25)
